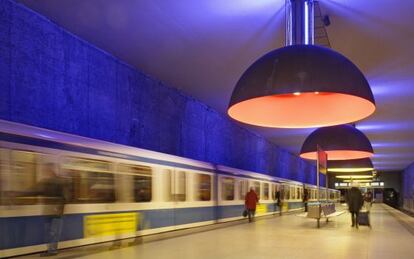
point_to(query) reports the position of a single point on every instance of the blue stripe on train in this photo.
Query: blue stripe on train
(32, 230)
(295, 205)
(27, 231)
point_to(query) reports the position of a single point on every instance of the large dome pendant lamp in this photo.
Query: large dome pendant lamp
(341, 142)
(301, 85)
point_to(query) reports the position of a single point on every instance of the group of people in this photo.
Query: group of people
(251, 200)
(354, 198)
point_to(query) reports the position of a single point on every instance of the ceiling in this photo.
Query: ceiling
(202, 47)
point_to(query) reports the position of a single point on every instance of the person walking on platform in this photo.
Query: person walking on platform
(305, 199)
(355, 202)
(279, 202)
(368, 200)
(56, 188)
(250, 202)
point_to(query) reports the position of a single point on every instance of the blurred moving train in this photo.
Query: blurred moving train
(120, 192)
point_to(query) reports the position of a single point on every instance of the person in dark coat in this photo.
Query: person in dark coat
(251, 200)
(355, 201)
(279, 202)
(305, 198)
(56, 188)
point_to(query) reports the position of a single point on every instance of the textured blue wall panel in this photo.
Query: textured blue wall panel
(103, 114)
(72, 97)
(123, 103)
(36, 68)
(52, 79)
(171, 108)
(193, 141)
(408, 185)
(5, 48)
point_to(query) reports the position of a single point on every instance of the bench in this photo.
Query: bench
(318, 211)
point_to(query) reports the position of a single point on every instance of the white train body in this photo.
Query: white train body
(147, 191)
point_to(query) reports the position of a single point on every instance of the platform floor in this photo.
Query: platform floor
(290, 236)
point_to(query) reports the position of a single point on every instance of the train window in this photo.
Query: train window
(243, 189)
(92, 180)
(256, 187)
(265, 191)
(292, 193)
(322, 195)
(273, 192)
(33, 179)
(179, 184)
(286, 189)
(203, 187)
(22, 180)
(282, 192)
(227, 188)
(141, 179)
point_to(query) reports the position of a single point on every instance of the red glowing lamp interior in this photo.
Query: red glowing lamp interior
(339, 154)
(302, 110)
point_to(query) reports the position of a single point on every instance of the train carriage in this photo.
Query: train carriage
(126, 191)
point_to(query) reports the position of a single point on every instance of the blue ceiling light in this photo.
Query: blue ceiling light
(301, 85)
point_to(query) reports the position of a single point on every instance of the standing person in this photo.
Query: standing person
(355, 202)
(368, 200)
(250, 202)
(279, 202)
(56, 188)
(305, 198)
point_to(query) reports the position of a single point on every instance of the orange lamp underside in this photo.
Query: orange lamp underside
(339, 154)
(302, 110)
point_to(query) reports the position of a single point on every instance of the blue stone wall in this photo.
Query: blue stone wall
(52, 79)
(407, 184)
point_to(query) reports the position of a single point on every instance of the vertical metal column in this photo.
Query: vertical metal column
(317, 185)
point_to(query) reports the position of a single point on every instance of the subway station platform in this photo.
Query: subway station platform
(289, 236)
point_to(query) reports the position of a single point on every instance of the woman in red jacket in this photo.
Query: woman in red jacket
(250, 203)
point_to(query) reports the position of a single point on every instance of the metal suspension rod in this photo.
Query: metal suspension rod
(299, 22)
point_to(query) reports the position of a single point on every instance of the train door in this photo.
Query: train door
(178, 189)
(275, 190)
(194, 197)
(4, 176)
